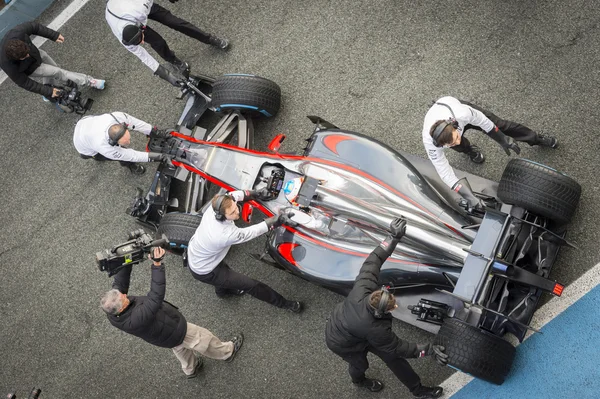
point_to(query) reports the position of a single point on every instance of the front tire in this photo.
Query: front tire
(476, 352)
(249, 94)
(539, 189)
(179, 228)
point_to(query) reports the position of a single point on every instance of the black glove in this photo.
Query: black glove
(464, 189)
(262, 194)
(167, 75)
(157, 133)
(173, 1)
(281, 219)
(397, 230)
(159, 157)
(156, 254)
(506, 142)
(435, 350)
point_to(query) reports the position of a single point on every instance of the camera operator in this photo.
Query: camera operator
(362, 324)
(22, 60)
(128, 21)
(105, 137)
(217, 233)
(159, 323)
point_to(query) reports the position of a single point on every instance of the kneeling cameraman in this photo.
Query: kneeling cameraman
(104, 137)
(156, 321)
(363, 324)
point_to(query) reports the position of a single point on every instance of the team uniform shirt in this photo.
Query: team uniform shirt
(91, 137)
(213, 238)
(464, 115)
(131, 11)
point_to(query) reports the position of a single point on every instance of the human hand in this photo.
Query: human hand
(436, 350)
(60, 39)
(281, 219)
(56, 92)
(398, 227)
(159, 133)
(511, 145)
(156, 255)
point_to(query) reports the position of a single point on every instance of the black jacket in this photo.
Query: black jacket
(150, 317)
(352, 326)
(19, 71)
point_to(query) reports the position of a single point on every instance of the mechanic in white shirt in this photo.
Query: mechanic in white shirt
(128, 21)
(105, 137)
(445, 124)
(217, 233)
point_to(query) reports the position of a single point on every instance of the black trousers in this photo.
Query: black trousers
(227, 281)
(358, 365)
(102, 158)
(512, 129)
(164, 16)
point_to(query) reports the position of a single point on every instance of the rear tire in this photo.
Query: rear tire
(179, 228)
(476, 352)
(539, 189)
(249, 94)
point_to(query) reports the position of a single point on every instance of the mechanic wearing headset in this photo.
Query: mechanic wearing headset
(217, 233)
(104, 137)
(445, 125)
(128, 21)
(160, 323)
(22, 60)
(362, 324)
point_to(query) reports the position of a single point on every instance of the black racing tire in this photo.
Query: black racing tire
(539, 189)
(179, 228)
(476, 352)
(249, 94)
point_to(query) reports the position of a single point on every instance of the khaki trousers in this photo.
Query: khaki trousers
(198, 339)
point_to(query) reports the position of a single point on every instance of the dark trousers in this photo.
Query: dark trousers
(102, 158)
(164, 16)
(512, 129)
(227, 281)
(358, 365)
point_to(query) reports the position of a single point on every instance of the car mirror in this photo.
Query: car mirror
(276, 142)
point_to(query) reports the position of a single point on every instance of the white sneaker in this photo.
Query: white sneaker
(97, 84)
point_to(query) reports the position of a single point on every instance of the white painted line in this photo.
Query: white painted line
(542, 316)
(56, 24)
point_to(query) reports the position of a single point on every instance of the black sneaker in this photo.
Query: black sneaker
(197, 369)
(547, 141)
(238, 340)
(427, 392)
(294, 306)
(475, 154)
(217, 42)
(136, 169)
(370, 384)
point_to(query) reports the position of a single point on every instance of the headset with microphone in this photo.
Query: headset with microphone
(381, 308)
(217, 207)
(137, 37)
(437, 132)
(123, 126)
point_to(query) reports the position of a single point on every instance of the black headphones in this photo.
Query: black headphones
(137, 37)
(380, 310)
(122, 130)
(437, 132)
(217, 208)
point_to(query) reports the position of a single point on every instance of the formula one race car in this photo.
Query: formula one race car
(469, 275)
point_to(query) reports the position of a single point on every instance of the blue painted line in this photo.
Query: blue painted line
(265, 113)
(560, 363)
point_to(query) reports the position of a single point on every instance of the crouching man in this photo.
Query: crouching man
(363, 324)
(106, 137)
(159, 323)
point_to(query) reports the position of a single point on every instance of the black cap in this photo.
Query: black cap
(132, 35)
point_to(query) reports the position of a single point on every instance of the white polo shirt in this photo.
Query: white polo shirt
(131, 11)
(213, 238)
(464, 115)
(91, 137)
